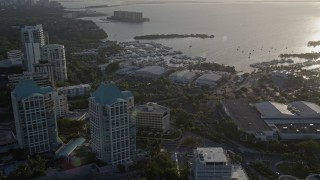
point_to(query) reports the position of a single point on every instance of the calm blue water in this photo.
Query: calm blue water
(263, 29)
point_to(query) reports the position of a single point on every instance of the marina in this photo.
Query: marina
(152, 53)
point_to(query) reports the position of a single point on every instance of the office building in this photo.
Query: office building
(153, 116)
(55, 53)
(32, 39)
(211, 163)
(113, 131)
(35, 118)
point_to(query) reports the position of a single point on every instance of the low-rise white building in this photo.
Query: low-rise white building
(153, 116)
(184, 76)
(76, 90)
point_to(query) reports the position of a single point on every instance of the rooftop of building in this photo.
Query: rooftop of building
(293, 109)
(238, 173)
(32, 27)
(245, 116)
(151, 107)
(76, 86)
(68, 148)
(302, 128)
(183, 75)
(156, 70)
(273, 109)
(210, 76)
(306, 108)
(54, 46)
(28, 87)
(211, 154)
(27, 74)
(109, 94)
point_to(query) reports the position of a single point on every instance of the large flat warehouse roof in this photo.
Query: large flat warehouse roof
(245, 116)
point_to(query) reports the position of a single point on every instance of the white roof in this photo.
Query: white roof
(211, 154)
(306, 108)
(157, 70)
(182, 75)
(273, 109)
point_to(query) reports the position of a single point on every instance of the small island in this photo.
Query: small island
(310, 56)
(98, 6)
(126, 16)
(314, 43)
(169, 36)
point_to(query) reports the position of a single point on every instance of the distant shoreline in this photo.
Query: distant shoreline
(98, 6)
(170, 36)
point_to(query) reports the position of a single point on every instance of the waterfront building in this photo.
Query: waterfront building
(32, 39)
(113, 131)
(41, 78)
(35, 118)
(150, 72)
(153, 116)
(208, 79)
(184, 76)
(76, 90)
(55, 53)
